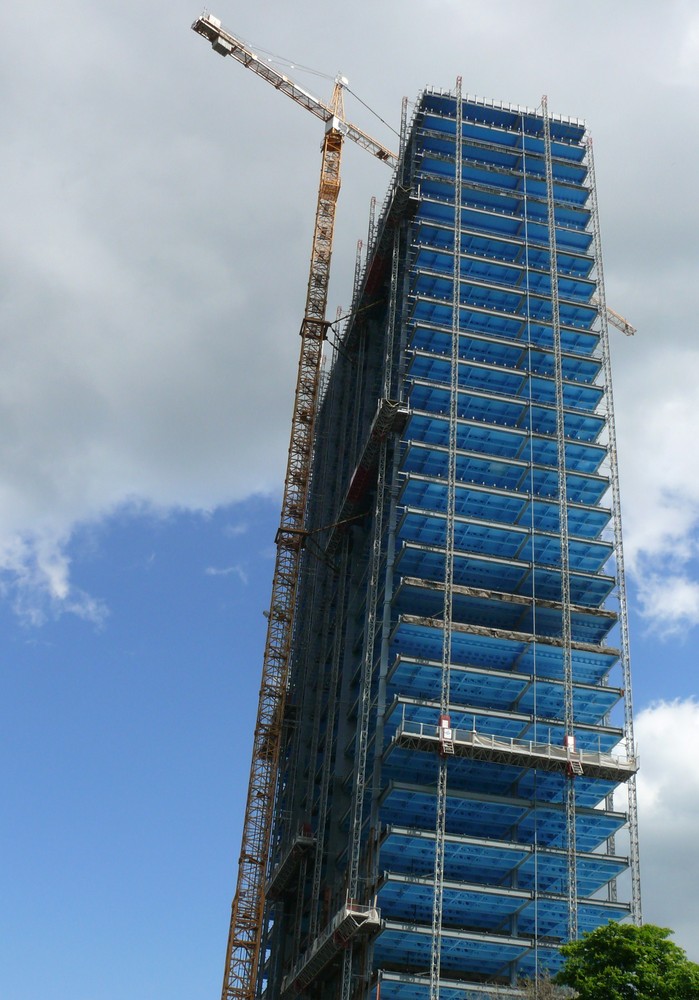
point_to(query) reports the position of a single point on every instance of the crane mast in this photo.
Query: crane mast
(244, 941)
(247, 912)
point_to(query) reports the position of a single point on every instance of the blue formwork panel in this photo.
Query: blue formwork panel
(470, 500)
(486, 321)
(409, 945)
(480, 214)
(404, 986)
(491, 723)
(465, 858)
(495, 349)
(431, 285)
(438, 232)
(482, 777)
(503, 198)
(547, 870)
(575, 368)
(433, 397)
(505, 541)
(499, 410)
(490, 909)
(583, 521)
(511, 475)
(507, 575)
(471, 435)
(492, 272)
(406, 898)
(490, 862)
(542, 657)
(504, 136)
(503, 442)
(573, 340)
(514, 430)
(496, 609)
(495, 816)
(568, 216)
(484, 688)
(473, 346)
(500, 381)
(488, 378)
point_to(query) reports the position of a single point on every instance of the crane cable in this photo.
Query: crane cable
(290, 64)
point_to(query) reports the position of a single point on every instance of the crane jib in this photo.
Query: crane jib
(226, 44)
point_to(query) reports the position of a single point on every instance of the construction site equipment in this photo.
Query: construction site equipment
(247, 914)
(331, 114)
(613, 317)
(247, 918)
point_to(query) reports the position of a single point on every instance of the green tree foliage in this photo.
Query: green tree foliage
(624, 962)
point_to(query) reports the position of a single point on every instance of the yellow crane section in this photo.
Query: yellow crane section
(620, 322)
(228, 45)
(247, 912)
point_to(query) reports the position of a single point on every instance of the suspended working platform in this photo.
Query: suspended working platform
(522, 753)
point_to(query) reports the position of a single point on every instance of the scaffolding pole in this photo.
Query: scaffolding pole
(362, 742)
(326, 771)
(563, 529)
(332, 648)
(440, 825)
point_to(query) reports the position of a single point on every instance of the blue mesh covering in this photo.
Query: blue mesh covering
(370, 634)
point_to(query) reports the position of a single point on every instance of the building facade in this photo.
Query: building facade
(459, 714)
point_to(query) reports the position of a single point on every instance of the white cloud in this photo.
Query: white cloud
(660, 483)
(154, 242)
(668, 803)
(237, 529)
(237, 569)
(35, 578)
(670, 602)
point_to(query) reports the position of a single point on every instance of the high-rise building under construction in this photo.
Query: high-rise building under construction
(458, 713)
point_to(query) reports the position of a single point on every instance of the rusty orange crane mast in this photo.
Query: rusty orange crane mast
(247, 913)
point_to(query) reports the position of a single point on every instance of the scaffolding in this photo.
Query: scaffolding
(463, 603)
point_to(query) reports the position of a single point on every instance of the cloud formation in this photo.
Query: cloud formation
(155, 220)
(668, 803)
(237, 570)
(660, 486)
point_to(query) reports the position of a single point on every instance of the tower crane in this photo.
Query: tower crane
(616, 319)
(620, 322)
(247, 913)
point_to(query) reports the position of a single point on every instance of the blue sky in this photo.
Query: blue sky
(155, 225)
(126, 755)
